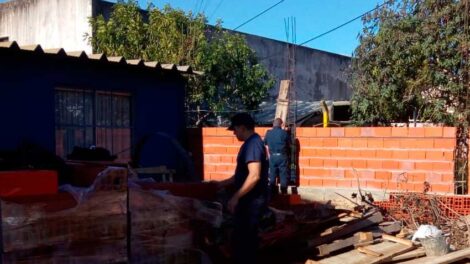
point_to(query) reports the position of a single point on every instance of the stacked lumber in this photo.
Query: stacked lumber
(79, 226)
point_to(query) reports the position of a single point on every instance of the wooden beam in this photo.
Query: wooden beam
(417, 253)
(405, 242)
(346, 230)
(369, 252)
(448, 258)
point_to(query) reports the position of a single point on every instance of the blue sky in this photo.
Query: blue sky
(313, 17)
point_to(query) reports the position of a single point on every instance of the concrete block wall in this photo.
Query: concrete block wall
(377, 158)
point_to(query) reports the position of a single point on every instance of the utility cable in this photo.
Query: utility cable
(344, 24)
(264, 11)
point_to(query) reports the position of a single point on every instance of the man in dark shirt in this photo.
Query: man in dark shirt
(249, 202)
(277, 141)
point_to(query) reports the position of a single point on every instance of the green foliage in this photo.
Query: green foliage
(413, 56)
(233, 79)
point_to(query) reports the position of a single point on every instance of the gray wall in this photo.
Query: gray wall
(318, 74)
(50, 23)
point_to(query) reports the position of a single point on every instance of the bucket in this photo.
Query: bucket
(435, 246)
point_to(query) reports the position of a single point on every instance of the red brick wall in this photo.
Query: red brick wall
(387, 158)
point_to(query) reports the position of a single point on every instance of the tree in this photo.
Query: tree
(413, 58)
(233, 79)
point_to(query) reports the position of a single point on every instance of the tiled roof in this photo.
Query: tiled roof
(100, 57)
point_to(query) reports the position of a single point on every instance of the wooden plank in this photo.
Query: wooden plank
(448, 258)
(419, 252)
(405, 242)
(355, 257)
(346, 230)
(386, 257)
(282, 108)
(390, 227)
(369, 252)
(339, 244)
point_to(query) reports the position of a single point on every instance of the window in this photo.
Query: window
(85, 118)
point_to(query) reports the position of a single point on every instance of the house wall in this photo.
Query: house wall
(50, 23)
(27, 83)
(380, 158)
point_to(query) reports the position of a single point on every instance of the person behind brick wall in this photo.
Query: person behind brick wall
(249, 202)
(277, 141)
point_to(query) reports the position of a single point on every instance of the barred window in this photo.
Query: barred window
(85, 118)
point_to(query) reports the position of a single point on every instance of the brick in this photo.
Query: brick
(211, 158)
(209, 168)
(219, 176)
(367, 131)
(349, 174)
(367, 153)
(434, 155)
(382, 132)
(323, 132)
(315, 142)
(303, 181)
(383, 175)
(344, 183)
(316, 172)
(391, 143)
(374, 164)
(390, 186)
(227, 159)
(432, 177)
(330, 163)
(423, 143)
(427, 166)
(400, 154)
(433, 131)
(447, 177)
(415, 132)
(441, 188)
(417, 176)
(449, 155)
(418, 187)
(407, 143)
(337, 132)
(214, 150)
(399, 132)
(417, 154)
(304, 162)
(407, 165)
(308, 152)
(315, 182)
(222, 131)
(442, 166)
(359, 164)
(345, 142)
(337, 173)
(384, 154)
(362, 183)
(329, 183)
(352, 131)
(330, 142)
(315, 162)
(449, 132)
(232, 150)
(309, 132)
(366, 175)
(359, 143)
(374, 184)
(375, 143)
(445, 143)
(405, 186)
(303, 141)
(401, 177)
(209, 131)
(223, 169)
(344, 163)
(218, 140)
(335, 153)
(323, 152)
(390, 164)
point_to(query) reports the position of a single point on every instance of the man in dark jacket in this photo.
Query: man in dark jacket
(249, 202)
(277, 141)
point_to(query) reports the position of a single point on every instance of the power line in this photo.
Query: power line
(344, 24)
(216, 8)
(253, 18)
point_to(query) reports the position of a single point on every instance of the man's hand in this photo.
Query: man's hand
(232, 204)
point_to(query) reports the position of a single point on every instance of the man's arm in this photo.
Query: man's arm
(254, 172)
(226, 182)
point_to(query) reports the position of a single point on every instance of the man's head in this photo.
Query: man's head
(277, 122)
(242, 125)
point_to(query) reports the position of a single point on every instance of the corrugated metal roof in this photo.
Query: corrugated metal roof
(185, 69)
